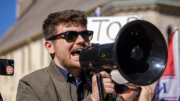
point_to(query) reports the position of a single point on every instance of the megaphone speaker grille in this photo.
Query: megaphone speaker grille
(140, 52)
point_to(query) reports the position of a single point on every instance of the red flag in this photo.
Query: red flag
(167, 87)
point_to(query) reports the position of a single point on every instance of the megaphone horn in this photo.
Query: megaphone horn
(139, 53)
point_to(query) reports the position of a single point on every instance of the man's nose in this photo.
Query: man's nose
(80, 39)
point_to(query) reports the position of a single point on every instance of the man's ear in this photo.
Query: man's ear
(49, 47)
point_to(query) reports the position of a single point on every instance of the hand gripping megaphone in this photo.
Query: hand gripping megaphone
(139, 53)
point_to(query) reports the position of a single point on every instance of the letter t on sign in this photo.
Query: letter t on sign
(99, 26)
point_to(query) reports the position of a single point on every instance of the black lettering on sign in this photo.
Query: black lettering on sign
(99, 26)
(113, 33)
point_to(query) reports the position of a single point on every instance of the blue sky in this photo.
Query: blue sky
(7, 15)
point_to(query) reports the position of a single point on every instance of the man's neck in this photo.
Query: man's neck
(75, 72)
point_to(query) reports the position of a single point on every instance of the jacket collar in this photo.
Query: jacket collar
(57, 76)
(54, 72)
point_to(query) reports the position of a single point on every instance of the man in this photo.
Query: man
(130, 92)
(63, 80)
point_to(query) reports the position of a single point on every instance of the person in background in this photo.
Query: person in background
(130, 92)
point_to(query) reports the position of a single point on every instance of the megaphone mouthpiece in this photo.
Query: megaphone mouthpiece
(137, 53)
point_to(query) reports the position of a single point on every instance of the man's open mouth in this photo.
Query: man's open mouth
(76, 52)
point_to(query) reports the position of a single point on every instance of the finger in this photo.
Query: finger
(151, 93)
(114, 66)
(110, 91)
(138, 86)
(108, 66)
(147, 90)
(105, 74)
(150, 90)
(107, 80)
(143, 88)
(94, 78)
(109, 85)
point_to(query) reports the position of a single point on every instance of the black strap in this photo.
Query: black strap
(100, 86)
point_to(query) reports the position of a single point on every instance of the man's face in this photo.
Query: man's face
(66, 54)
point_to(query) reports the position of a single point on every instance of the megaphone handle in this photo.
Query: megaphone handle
(109, 97)
(100, 86)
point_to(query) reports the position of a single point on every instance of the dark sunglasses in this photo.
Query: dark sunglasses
(122, 88)
(71, 36)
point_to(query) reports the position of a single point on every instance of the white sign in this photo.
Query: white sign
(106, 28)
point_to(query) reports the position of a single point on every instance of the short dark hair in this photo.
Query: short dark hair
(63, 17)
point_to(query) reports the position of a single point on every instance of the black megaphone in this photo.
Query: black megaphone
(139, 53)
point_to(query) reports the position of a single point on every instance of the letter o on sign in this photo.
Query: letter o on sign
(109, 27)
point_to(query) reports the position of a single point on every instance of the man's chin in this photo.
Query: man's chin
(76, 65)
